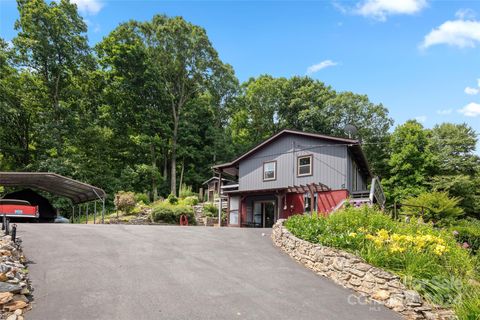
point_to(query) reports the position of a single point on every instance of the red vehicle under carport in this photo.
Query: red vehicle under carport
(77, 192)
(13, 208)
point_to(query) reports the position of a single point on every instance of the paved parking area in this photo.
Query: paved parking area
(168, 272)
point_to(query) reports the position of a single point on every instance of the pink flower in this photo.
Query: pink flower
(465, 245)
(455, 233)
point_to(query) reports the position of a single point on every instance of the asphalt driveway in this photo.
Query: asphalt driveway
(161, 272)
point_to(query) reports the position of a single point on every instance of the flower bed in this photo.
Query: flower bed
(426, 259)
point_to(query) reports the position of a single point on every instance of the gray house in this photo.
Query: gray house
(296, 172)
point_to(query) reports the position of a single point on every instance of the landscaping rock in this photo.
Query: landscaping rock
(412, 298)
(381, 295)
(5, 297)
(8, 287)
(352, 272)
(20, 297)
(14, 305)
(14, 284)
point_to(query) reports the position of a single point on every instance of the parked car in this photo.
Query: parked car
(14, 208)
(61, 219)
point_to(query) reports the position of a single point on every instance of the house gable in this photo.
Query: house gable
(329, 163)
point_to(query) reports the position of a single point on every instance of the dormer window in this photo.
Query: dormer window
(269, 170)
(304, 166)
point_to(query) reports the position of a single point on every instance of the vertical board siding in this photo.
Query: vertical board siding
(329, 164)
(350, 174)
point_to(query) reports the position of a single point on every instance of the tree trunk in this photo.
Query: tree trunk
(181, 175)
(165, 165)
(154, 172)
(173, 178)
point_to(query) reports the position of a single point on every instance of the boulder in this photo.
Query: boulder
(14, 305)
(5, 297)
(381, 295)
(8, 287)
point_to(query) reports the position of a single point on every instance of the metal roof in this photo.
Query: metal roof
(76, 191)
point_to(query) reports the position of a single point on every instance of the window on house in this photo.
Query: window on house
(269, 170)
(304, 165)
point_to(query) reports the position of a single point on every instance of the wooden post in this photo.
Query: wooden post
(312, 200)
(219, 198)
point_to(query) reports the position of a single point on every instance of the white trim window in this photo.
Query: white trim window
(304, 166)
(269, 170)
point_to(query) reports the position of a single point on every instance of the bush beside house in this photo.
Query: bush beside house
(170, 213)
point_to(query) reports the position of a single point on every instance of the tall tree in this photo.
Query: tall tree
(52, 43)
(18, 109)
(187, 64)
(410, 161)
(457, 167)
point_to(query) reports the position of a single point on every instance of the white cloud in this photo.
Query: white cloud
(444, 112)
(421, 119)
(465, 14)
(90, 7)
(471, 91)
(471, 110)
(478, 82)
(459, 33)
(322, 65)
(380, 9)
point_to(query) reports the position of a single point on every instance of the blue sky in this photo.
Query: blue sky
(420, 58)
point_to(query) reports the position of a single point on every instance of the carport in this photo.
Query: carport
(78, 192)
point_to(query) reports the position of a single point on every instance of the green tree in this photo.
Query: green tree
(51, 42)
(267, 104)
(136, 109)
(186, 64)
(410, 161)
(160, 73)
(453, 146)
(457, 167)
(18, 108)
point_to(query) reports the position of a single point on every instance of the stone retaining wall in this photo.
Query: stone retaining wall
(354, 273)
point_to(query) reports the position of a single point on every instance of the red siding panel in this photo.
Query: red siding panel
(326, 202)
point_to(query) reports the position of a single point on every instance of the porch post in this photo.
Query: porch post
(219, 198)
(312, 200)
(240, 204)
(103, 210)
(86, 220)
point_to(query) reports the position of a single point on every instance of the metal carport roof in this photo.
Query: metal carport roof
(76, 191)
